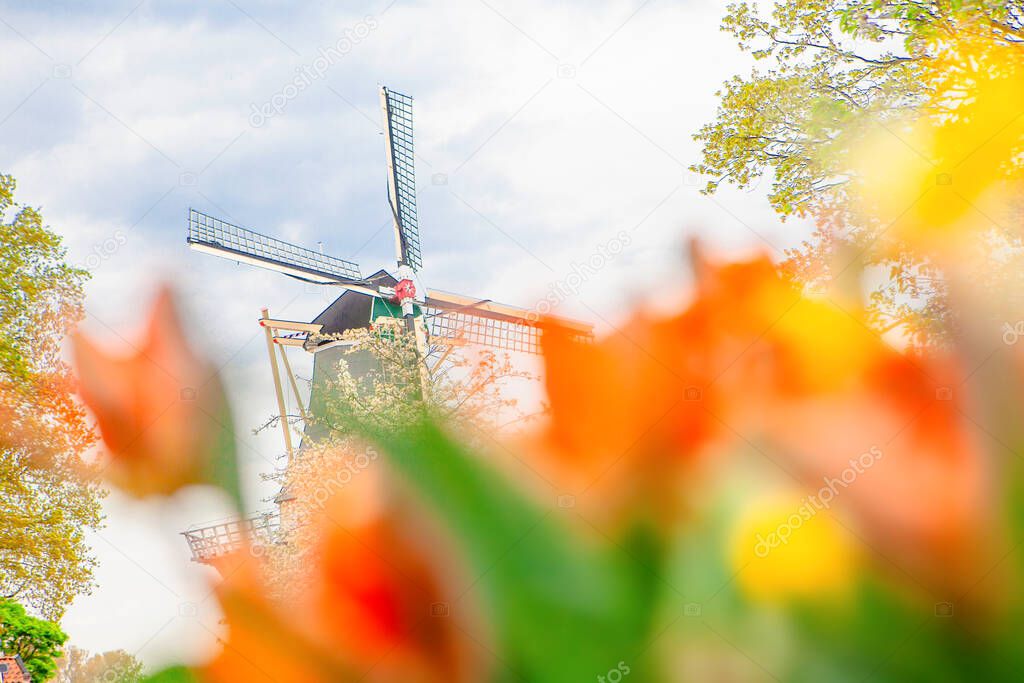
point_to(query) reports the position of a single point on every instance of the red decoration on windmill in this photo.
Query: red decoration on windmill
(405, 289)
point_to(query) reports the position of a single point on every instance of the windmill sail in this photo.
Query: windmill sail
(457, 327)
(455, 318)
(214, 236)
(397, 109)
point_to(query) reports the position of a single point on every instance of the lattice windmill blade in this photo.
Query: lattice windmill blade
(455, 318)
(398, 133)
(217, 539)
(220, 238)
(454, 327)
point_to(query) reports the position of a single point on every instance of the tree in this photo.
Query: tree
(835, 63)
(36, 641)
(840, 68)
(116, 666)
(48, 500)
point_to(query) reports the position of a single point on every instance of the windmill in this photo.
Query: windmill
(438, 318)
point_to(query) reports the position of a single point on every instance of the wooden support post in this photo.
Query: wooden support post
(282, 411)
(295, 387)
(444, 356)
(419, 335)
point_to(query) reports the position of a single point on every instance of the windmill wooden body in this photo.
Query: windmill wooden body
(437, 318)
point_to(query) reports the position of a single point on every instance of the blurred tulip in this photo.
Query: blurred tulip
(907, 463)
(806, 379)
(266, 640)
(626, 412)
(651, 397)
(824, 394)
(161, 411)
(937, 181)
(373, 605)
(784, 549)
(386, 599)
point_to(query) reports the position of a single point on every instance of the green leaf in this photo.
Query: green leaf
(222, 462)
(562, 610)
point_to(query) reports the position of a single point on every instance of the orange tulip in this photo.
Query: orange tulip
(374, 606)
(922, 500)
(388, 599)
(266, 641)
(161, 411)
(838, 397)
(628, 411)
(803, 380)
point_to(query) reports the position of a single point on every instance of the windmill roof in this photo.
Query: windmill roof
(12, 670)
(351, 310)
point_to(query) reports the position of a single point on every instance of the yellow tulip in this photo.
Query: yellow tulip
(786, 549)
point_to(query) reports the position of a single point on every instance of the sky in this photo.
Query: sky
(546, 133)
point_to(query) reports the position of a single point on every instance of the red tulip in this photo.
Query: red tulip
(375, 604)
(161, 410)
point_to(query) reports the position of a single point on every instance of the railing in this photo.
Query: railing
(215, 540)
